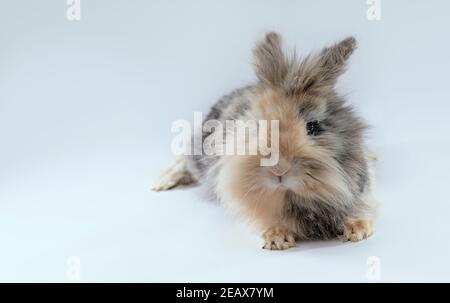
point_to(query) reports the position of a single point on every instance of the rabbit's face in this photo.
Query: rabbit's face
(308, 142)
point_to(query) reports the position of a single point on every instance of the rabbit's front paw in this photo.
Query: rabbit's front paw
(357, 230)
(278, 238)
(175, 175)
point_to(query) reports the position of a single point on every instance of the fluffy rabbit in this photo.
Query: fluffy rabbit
(321, 186)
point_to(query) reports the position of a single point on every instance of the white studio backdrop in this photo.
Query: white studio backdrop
(86, 108)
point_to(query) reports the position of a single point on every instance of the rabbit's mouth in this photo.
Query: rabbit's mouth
(284, 182)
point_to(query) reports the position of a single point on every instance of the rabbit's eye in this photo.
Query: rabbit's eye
(313, 128)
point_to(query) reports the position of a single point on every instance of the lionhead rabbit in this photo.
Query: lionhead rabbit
(321, 185)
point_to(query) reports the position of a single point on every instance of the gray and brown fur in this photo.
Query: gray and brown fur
(325, 191)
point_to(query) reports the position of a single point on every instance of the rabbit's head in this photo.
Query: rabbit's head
(321, 152)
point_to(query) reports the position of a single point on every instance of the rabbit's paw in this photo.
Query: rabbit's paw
(357, 230)
(175, 175)
(278, 238)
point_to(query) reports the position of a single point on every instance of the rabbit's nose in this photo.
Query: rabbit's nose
(281, 168)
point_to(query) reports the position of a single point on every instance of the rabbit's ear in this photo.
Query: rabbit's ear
(320, 73)
(271, 65)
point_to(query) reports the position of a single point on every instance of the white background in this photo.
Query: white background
(85, 114)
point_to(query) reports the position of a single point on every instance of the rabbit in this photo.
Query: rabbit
(322, 184)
